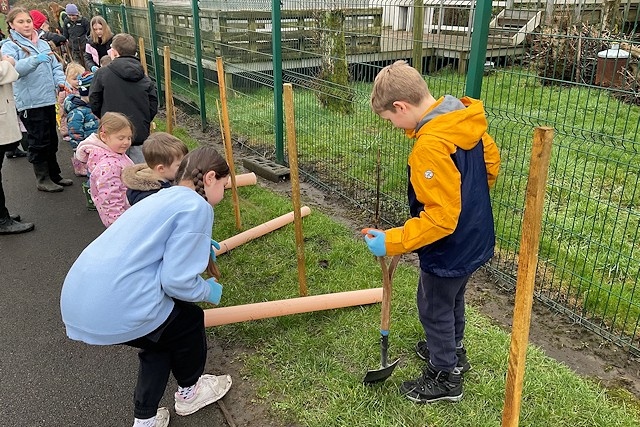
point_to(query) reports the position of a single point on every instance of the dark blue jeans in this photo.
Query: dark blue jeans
(441, 312)
(178, 346)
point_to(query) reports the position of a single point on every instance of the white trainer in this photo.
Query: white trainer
(209, 389)
(162, 417)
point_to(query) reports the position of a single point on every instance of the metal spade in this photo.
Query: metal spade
(385, 371)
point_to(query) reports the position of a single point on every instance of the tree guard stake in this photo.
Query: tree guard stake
(527, 262)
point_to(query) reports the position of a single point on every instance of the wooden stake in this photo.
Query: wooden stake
(167, 89)
(527, 261)
(295, 184)
(226, 131)
(143, 55)
(228, 149)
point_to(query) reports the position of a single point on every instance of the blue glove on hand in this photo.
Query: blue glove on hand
(215, 245)
(94, 68)
(42, 57)
(375, 239)
(215, 291)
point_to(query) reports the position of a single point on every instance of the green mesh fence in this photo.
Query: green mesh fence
(545, 65)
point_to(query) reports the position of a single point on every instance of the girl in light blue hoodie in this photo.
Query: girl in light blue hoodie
(136, 284)
(35, 94)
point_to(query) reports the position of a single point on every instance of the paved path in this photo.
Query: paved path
(45, 378)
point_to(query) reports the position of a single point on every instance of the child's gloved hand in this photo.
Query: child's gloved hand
(42, 57)
(215, 291)
(375, 240)
(94, 68)
(214, 245)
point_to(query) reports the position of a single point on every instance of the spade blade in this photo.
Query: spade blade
(379, 375)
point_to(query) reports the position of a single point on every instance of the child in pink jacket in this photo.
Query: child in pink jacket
(104, 155)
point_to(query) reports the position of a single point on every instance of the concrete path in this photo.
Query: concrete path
(45, 378)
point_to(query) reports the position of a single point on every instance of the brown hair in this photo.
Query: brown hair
(193, 167)
(106, 30)
(162, 148)
(73, 70)
(124, 44)
(15, 11)
(113, 122)
(397, 82)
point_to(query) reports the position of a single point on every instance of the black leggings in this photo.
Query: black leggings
(179, 346)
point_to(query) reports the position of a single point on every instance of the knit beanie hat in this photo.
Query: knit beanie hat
(84, 83)
(71, 9)
(38, 18)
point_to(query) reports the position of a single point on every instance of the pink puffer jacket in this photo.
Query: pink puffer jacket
(105, 168)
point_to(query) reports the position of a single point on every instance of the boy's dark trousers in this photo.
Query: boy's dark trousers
(441, 312)
(179, 345)
(42, 137)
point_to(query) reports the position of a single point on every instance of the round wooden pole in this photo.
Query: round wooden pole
(143, 56)
(167, 89)
(264, 310)
(226, 132)
(525, 282)
(292, 150)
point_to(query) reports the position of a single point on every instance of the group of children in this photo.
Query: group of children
(146, 266)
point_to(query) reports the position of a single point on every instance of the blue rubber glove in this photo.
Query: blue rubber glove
(215, 245)
(375, 240)
(94, 68)
(215, 291)
(42, 57)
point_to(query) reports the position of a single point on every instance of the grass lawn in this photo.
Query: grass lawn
(591, 218)
(308, 368)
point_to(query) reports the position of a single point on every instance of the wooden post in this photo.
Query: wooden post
(226, 131)
(527, 262)
(143, 55)
(167, 89)
(295, 184)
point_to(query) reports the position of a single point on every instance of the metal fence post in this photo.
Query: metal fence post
(123, 14)
(103, 7)
(478, 49)
(154, 50)
(277, 80)
(198, 53)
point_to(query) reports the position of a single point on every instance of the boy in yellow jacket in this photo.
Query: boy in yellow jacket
(452, 165)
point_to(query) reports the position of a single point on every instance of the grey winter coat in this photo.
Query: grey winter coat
(8, 116)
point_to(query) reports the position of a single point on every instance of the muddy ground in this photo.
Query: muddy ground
(583, 351)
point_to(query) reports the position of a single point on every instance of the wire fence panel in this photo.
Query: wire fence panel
(569, 65)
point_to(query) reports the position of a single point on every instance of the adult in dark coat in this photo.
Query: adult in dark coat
(123, 87)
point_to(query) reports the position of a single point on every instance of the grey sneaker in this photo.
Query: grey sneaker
(162, 417)
(209, 389)
(433, 386)
(463, 363)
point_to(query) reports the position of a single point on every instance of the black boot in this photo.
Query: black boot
(9, 226)
(15, 153)
(65, 182)
(433, 386)
(44, 182)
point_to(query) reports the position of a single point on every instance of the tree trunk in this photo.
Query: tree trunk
(334, 91)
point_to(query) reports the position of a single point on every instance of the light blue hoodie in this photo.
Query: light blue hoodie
(38, 83)
(121, 286)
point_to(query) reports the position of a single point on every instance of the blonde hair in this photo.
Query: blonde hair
(106, 30)
(162, 148)
(113, 122)
(397, 82)
(73, 70)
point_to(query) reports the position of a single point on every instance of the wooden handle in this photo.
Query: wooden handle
(387, 275)
(525, 282)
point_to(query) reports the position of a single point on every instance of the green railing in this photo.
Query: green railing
(530, 67)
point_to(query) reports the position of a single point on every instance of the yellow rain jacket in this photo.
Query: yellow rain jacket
(453, 164)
